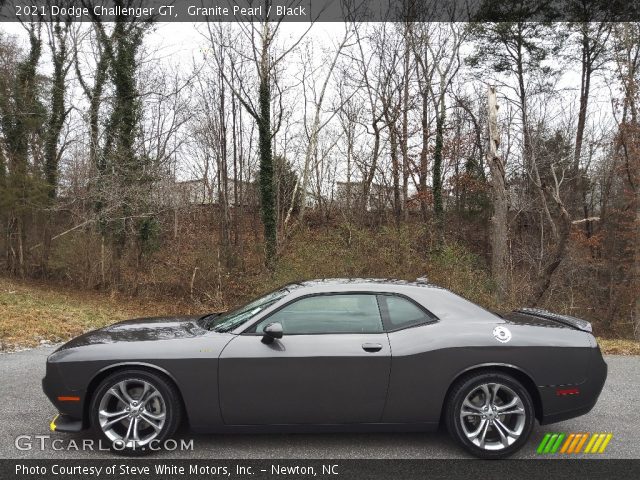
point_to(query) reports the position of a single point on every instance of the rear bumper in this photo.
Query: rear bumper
(558, 407)
(566, 414)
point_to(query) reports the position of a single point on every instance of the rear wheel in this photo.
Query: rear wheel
(134, 410)
(491, 415)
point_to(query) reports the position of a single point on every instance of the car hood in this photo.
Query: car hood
(141, 329)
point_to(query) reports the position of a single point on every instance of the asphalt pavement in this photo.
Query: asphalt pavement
(26, 412)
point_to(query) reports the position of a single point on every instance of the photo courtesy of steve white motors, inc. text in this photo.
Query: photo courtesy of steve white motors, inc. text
(164, 469)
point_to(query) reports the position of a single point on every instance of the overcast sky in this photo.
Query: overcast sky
(179, 43)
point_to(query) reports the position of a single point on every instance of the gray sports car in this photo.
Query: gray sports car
(331, 355)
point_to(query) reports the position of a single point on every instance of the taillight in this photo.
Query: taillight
(561, 392)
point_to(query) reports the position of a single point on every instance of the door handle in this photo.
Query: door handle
(371, 347)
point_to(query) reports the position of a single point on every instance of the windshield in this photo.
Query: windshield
(230, 320)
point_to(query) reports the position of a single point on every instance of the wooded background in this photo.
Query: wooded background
(501, 160)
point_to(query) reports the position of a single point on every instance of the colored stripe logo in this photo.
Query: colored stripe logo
(574, 443)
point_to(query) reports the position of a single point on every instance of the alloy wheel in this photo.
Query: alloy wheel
(492, 416)
(132, 413)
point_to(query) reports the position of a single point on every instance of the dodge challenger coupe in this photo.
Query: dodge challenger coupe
(331, 355)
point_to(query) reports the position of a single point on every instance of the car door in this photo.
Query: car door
(331, 365)
(416, 339)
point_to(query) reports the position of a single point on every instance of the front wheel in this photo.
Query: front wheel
(491, 415)
(135, 411)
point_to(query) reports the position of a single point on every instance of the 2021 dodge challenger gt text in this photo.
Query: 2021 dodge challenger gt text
(331, 355)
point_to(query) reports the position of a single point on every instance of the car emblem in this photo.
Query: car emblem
(502, 334)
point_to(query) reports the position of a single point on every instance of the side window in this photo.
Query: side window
(404, 313)
(347, 313)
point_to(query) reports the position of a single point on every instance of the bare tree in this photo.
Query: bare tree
(316, 126)
(261, 38)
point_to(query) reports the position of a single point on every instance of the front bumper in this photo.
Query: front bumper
(70, 403)
(65, 423)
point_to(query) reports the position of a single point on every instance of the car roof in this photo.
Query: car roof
(443, 303)
(333, 284)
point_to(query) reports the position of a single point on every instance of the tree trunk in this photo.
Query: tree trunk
(437, 161)
(424, 159)
(577, 188)
(370, 175)
(405, 125)
(223, 184)
(395, 170)
(266, 164)
(499, 219)
(556, 258)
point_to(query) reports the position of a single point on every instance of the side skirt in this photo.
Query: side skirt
(322, 428)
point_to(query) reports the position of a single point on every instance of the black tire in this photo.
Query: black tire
(471, 384)
(170, 397)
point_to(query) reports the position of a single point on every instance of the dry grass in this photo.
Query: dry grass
(31, 313)
(619, 346)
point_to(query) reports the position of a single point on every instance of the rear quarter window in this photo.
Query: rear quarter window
(404, 313)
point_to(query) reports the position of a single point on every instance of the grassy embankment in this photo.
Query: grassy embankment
(32, 313)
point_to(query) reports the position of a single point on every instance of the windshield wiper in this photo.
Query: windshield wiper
(227, 326)
(206, 320)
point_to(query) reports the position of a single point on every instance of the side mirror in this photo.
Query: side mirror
(271, 332)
